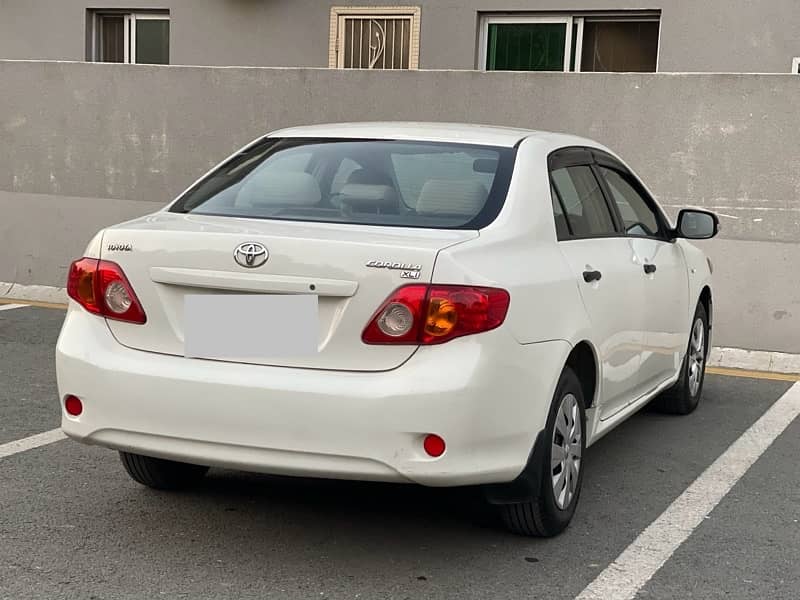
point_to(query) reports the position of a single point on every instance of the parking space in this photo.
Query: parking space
(27, 374)
(747, 547)
(74, 526)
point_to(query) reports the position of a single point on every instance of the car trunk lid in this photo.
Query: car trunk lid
(352, 269)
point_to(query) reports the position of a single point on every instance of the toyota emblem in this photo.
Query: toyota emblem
(250, 254)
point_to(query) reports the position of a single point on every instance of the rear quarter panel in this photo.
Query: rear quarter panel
(519, 252)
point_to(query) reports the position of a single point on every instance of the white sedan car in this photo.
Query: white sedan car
(439, 304)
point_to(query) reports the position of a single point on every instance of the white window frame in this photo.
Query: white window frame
(523, 19)
(129, 30)
(337, 23)
(571, 21)
(796, 65)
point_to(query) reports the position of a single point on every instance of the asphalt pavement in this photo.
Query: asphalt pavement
(73, 525)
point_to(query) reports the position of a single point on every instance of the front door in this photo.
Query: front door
(662, 269)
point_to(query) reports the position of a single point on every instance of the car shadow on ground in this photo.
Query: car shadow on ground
(630, 476)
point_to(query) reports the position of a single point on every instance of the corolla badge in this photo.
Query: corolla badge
(407, 270)
(251, 254)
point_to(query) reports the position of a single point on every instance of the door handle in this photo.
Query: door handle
(590, 276)
(649, 268)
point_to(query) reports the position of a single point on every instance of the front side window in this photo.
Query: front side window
(369, 182)
(637, 217)
(582, 202)
(127, 37)
(627, 41)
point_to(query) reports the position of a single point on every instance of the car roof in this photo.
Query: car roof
(434, 132)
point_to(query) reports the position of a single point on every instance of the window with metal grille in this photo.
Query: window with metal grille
(383, 38)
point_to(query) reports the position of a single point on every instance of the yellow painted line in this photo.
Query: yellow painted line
(752, 374)
(56, 305)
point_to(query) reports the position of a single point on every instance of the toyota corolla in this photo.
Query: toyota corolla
(436, 304)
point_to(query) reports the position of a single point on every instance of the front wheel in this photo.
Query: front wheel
(161, 474)
(684, 396)
(550, 512)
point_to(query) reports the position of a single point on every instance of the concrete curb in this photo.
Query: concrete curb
(728, 358)
(755, 360)
(33, 293)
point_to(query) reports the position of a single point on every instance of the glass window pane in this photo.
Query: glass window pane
(111, 42)
(414, 170)
(152, 41)
(587, 211)
(389, 183)
(562, 229)
(639, 219)
(610, 46)
(526, 46)
(349, 171)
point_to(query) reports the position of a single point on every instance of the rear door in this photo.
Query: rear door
(602, 262)
(663, 270)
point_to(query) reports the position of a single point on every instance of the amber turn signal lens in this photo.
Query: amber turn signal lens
(442, 317)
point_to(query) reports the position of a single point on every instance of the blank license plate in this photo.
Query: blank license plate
(250, 326)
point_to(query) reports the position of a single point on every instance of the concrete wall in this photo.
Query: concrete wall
(710, 36)
(85, 145)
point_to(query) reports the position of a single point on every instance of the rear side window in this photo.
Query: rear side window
(370, 182)
(583, 203)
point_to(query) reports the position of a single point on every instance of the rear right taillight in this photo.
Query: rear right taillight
(100, 286)
(434, 314)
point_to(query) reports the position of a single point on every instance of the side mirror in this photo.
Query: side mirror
(696, 224)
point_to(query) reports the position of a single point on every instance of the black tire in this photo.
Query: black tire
(679, 399)
(161, 474)
(541, 516)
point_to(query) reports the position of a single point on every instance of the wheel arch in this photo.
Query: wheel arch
(707, 300)
(583, 360)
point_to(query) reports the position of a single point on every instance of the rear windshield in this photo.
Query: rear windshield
(368, 182)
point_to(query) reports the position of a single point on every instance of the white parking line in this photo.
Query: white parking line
(10, 306)
(632, 569)
(29, 443)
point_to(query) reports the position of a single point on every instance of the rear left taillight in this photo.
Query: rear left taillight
(434, 314)
(101, 287)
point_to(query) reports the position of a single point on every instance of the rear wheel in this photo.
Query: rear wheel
(161, 474)
(684, 396)
(550, 512)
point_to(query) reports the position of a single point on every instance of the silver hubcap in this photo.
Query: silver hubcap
(565, 455)
(697, 356)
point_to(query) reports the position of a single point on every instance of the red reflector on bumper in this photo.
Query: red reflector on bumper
(73, 406)
(434, 445)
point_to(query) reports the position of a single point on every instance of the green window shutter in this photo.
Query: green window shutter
(526, 47)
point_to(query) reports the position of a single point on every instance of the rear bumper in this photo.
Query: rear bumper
(486, 395)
